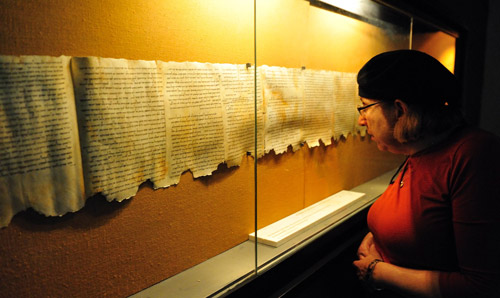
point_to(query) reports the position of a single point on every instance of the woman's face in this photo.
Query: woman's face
(379, 126)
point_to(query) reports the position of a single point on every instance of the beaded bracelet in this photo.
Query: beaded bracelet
(369, 270)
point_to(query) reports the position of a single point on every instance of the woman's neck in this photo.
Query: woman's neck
(427, 142)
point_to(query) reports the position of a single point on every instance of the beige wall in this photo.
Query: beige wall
(439, 45)
(116, 249)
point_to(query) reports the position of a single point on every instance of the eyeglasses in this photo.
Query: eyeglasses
(362, 108)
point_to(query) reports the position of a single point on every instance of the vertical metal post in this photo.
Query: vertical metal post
(255, 128)
(411, 32)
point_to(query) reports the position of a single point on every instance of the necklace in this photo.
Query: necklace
(403, 167)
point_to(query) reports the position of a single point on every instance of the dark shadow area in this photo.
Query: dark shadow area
(321, 269)
(336, 279)
(96, 207)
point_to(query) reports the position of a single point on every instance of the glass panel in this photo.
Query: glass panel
(304, 50)
(208, 216)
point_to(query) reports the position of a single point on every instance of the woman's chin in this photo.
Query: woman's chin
(382, 147)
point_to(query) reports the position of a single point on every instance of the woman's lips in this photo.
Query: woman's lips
(371, 136)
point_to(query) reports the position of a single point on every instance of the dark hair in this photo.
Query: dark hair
(430, 90)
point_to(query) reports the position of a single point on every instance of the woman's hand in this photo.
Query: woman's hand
(367, 247)
(367, 252)
(411, 282)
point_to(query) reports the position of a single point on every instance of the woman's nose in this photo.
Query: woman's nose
(361, 120)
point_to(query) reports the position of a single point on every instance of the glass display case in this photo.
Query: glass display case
(284, 72)
(294, 39)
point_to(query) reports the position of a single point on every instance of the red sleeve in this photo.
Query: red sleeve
(475, 199)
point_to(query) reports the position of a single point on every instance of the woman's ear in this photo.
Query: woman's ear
(400, 107)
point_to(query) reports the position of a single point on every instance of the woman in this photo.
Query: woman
(435, 232)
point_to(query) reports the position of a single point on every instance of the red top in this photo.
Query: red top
(446, 214)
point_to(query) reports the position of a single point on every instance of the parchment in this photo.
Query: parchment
(346, 99)
(242, 112)
(121, 117)
(318, 107)
(136, 120)
(195, 126)
(40, 164)
(284, 108)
